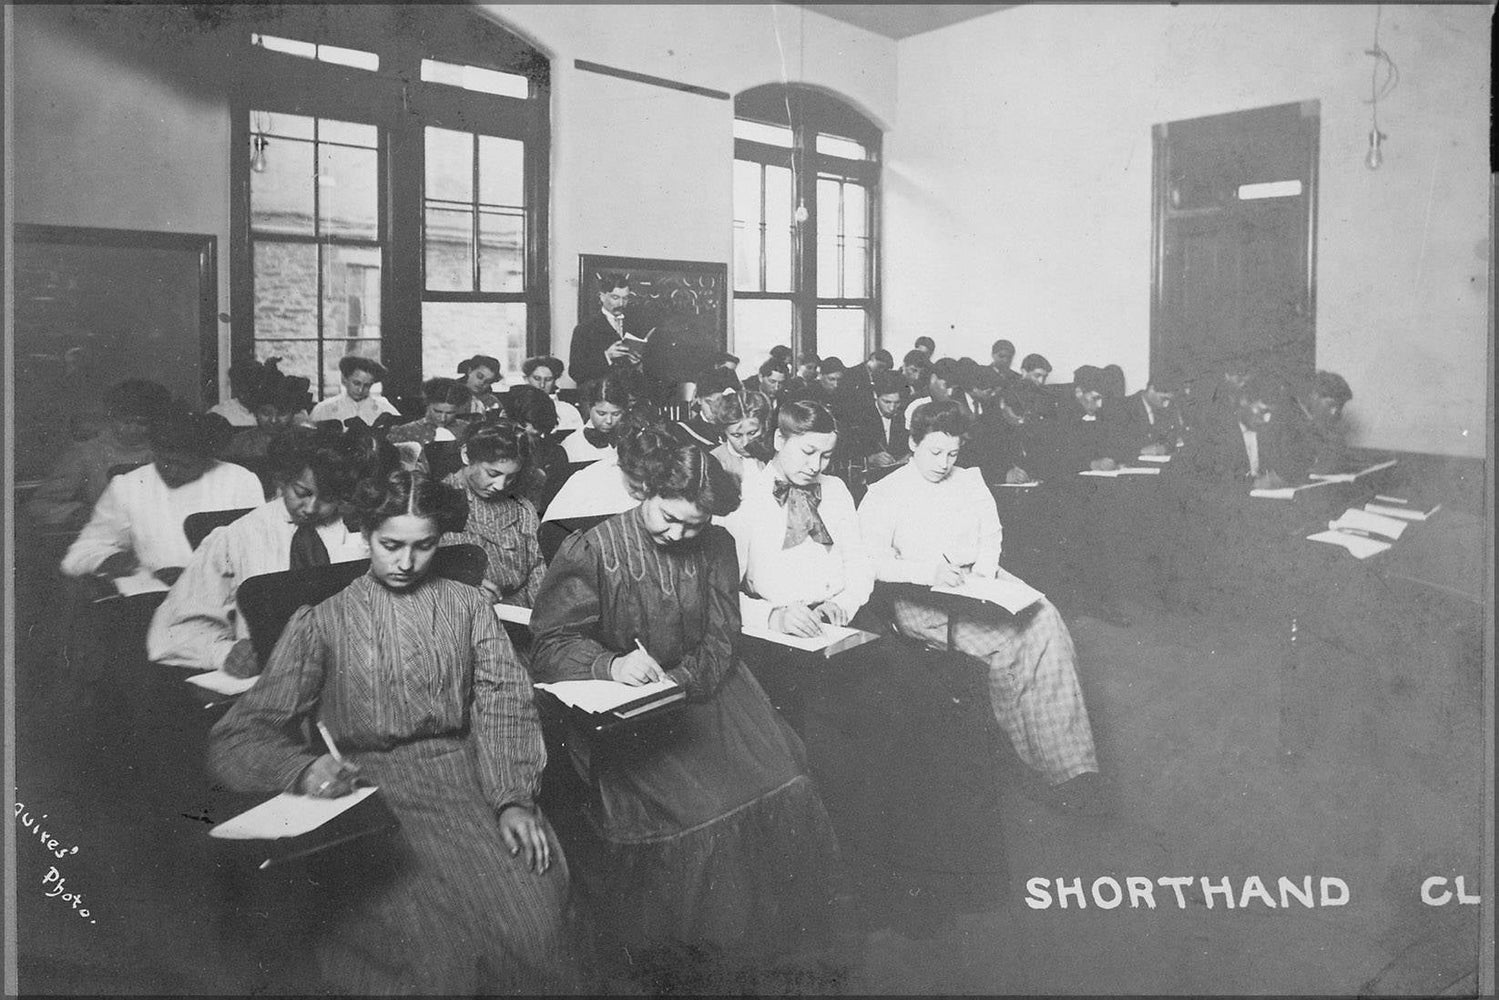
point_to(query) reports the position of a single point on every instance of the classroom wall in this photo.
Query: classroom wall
(111, 139)
(643, 171)
(1018, 186)
(107, 138)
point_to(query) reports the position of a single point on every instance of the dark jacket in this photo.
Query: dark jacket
(1129, 429)
(994, 446)
(591, 338)
(1215, 455)
(1068, 443)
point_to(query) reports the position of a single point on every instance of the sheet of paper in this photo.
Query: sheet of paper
(511, 613)
(221, 683)
(831, 635)
(605, 696)
(1159, 459)
(1358, 545)
(1362, 520)
(1348, 477)
(1018, 486)
(1012, 595)
(1286, 492)
(287, 815)
(1126, 470)
(139, 582)
(1404, 513)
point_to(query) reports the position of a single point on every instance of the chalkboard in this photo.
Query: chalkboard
(96, 306)
(683, 303)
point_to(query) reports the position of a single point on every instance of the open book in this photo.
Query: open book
(835, 639)
(612, 697)
(1348, 477)
(1124, 470)
(1361, 522)
(512, 613)
(1012, 595)
(1360, 546)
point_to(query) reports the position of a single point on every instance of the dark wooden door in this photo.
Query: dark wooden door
(1234, 238)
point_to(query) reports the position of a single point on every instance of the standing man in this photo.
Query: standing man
(599, 344)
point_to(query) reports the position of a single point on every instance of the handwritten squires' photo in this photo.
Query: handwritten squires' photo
(769, 499)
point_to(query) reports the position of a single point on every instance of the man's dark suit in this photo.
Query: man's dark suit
(994, 446)
(1068, 443)
(1130, 431)
(591, 338)
(866, 434)
(1216, 454)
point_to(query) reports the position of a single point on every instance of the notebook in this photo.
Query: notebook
(293, 826)
(835, 639)
(1012, 595)
(626, 701)
(1125, 470)
(1358, 545)
(513, 614)
(1358, 521)
(1348, 477)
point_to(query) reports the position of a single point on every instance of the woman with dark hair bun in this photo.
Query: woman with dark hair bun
(501, 521)
(605, 402)
(478, 374)
(425, 697)
(445, 398)
(714, 858)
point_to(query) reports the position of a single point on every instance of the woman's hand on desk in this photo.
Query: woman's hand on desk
(833, 614)
(796, 619)
(948, 575)
(524, 834)
(1017, 475)
(242, 661)
(326, 778)
(1269, 481)
(635, 668)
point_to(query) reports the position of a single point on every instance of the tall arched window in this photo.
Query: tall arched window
(390, 182)
(812, 284)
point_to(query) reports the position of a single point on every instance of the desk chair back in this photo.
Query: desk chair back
(198, 526)
(443, 458)
(268, 601)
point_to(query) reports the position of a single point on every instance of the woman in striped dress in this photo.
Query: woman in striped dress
(501, 521)
(424, 696)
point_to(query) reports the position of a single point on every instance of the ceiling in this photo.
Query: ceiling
(902, 20)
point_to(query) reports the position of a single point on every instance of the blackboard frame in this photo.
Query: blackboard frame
(647, 271)
(202, 245)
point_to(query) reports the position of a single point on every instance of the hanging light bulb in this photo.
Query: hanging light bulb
(257, 156)
(801, 211)
(1375, 156)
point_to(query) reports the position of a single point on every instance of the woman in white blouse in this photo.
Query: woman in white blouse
(744, 417)
(900, 759)
(605, 401)
(1033, 685)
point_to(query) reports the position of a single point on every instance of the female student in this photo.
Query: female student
(605, 401)
(416, 682)
(715, 855)
(445, 398)
(1033, 685)
(502, 522)
(478, 374)
(744, 417)
(899, 761)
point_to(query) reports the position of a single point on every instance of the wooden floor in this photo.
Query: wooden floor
(1191, 716)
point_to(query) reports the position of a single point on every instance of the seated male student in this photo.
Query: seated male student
(359, 375)
(1145, 423)
(1027, 400)
(1001, 357)
(1076, 439)
(934, 524)
(199, 626)
(1316, 421)
(137, 523)
(916, 369)
(944, 383)
(994, 446)
(878, 436)
(1247, 446)
(66, 498)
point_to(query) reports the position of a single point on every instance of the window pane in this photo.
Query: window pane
(347, 133)
(502, 251)
(778, 226)
(832, 145)
(775, 135)
(348, 192)
(285, 126)
(759, 325)
(453, 331)
(501, 171)
(856, 283)
(747, 225)
(829, 266)
(298, 357)
(281, 195)
(855, 211)
(351, 293)
(840, 333)
(449, 244)
(292, 47)
(333, 350)
(485, 81)
(285, 291)
(450, 165)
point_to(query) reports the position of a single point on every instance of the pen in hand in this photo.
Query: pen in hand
(659, 674)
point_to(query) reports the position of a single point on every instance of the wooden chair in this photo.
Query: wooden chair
(269, 600)
(443, 458)
(198, 526)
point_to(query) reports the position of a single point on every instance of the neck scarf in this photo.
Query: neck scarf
(802, 519)
(598, 438)
(307, 548)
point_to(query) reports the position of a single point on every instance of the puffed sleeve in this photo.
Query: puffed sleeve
(258, 745)
(564, 625)
(843, 524)
(700, 671)
(194, 626)
(511, 752)
(879, 515)
(108, 531)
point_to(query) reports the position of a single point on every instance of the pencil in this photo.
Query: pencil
(328, 739)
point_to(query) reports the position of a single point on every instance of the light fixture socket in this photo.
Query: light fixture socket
(1375, 156)
(257, 154)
